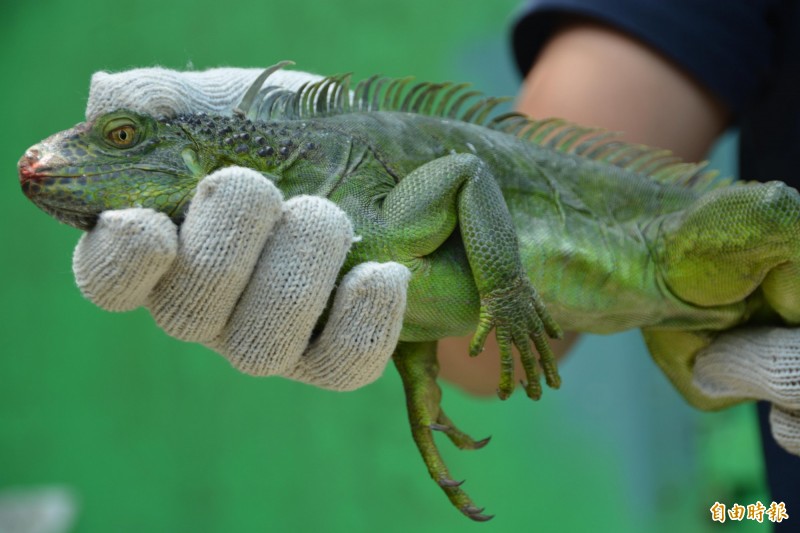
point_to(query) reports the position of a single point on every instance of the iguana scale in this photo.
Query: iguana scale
(481, 208)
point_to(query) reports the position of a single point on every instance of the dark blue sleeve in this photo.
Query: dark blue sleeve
(726, 45)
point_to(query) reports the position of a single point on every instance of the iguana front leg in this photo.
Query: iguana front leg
(423, 210)
(418, 368)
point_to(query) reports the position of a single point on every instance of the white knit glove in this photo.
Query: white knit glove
(757, 363)
(248, 274)
(163, 92)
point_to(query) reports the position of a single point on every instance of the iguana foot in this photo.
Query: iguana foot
(418, 369)
(519, 317)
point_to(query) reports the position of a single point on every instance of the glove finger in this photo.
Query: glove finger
(760, 363)
(121, 259)
(229, 220)
(362, 330)
(785, 424)
(163, 92)
(271, 326)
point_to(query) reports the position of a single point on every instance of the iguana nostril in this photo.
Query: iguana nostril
(27, 165)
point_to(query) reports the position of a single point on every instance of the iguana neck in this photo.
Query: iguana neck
(294, 154)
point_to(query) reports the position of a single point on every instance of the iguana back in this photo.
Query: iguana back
(585, 206)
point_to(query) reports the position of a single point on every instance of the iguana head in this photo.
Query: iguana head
(122, 159)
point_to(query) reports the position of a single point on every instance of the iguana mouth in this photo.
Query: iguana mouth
(30, 167)
(36, 181)
(61, 206)
(77, 219)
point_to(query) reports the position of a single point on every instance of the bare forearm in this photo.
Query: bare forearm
(598, 76)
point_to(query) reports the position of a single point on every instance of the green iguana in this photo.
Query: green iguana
(481, 208)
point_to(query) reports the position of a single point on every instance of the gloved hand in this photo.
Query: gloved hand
(248, 274)
(758, 363)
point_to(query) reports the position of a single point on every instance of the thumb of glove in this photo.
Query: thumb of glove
(758, 363)
(785, 424)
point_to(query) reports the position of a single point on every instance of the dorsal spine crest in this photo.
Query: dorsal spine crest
(333, 96)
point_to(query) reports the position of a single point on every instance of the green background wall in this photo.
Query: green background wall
(154, 435)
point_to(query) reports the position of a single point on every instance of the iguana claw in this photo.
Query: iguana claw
(475, 513)
(418, 369)
(481, 443)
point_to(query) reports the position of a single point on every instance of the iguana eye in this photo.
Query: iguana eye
(122, 136)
